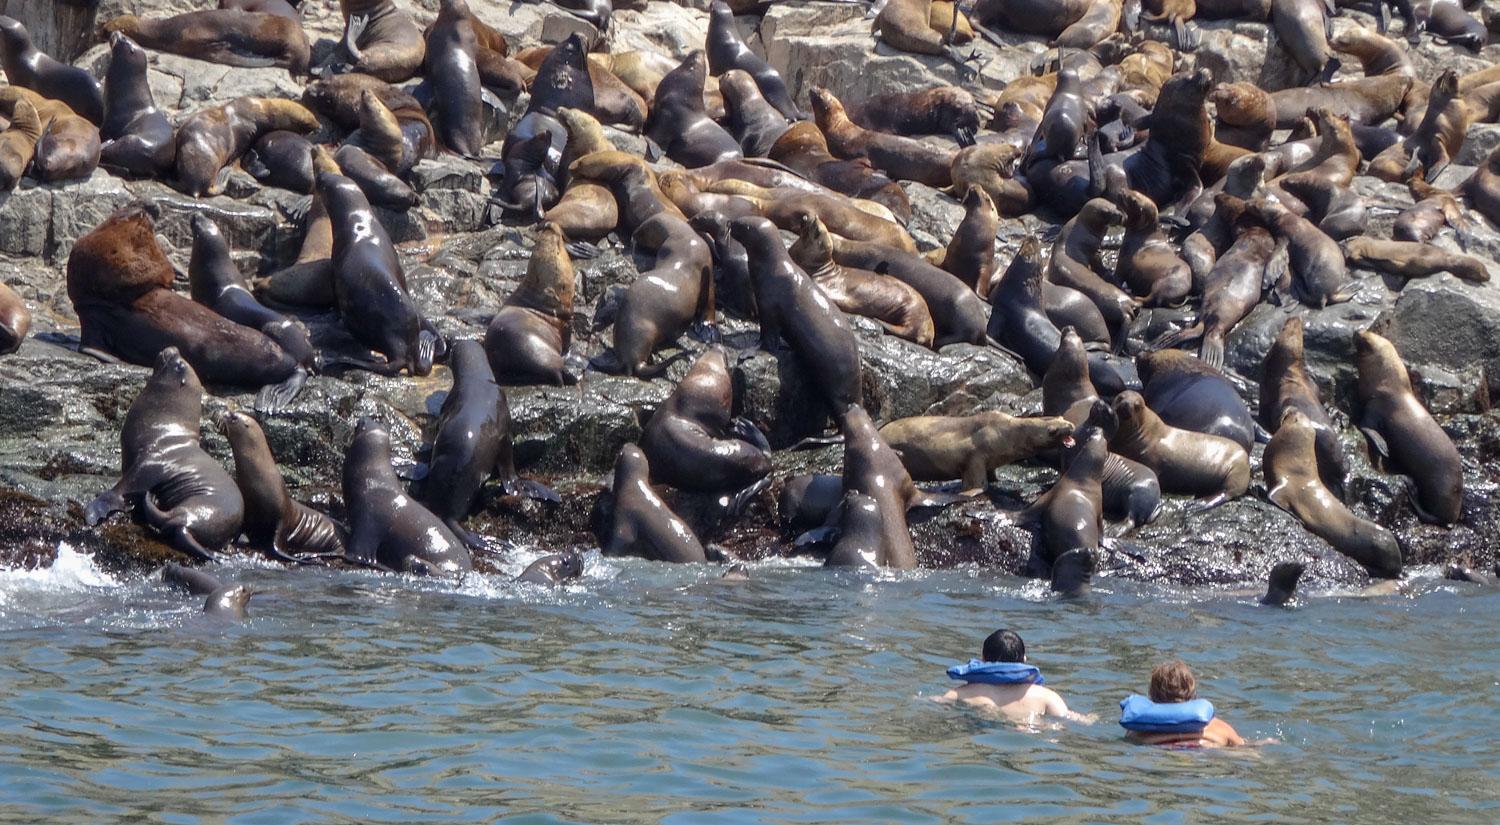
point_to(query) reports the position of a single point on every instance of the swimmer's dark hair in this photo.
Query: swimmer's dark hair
(1004, 646)
(1173, 681)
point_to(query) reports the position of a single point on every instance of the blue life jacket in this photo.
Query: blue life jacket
(1139, 713)
(996, 673)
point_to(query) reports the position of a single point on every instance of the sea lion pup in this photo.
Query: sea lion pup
(228, 37)
(873, 469)
(275, 524)
(176, 488)
(341, 99)
(553, 569)
(1071, 513)
(1194, 396)
(861, 537)
(1317, 275)
(970, 254)
(387, 529)
(958, 315)
(1131, 490)
(452, 69)
(803, 149)
(795, 311)
(1409, 259)
(726, 50)
(1231, 290)
(1435, 141)
(895, 305)
(212, 139)
(1433, 208)
(906, 25)
(1192, 463)
(694, 444)
(1281, 584)
(18, 144)
(472, 443)
(1285, 384)
(663, 301)
(189, 580)
(1246, 115)
(901, 158)
(527, 341)
(939, 110)
(641, 524)
(1366, 101)
(1148, 263)
(1292, 483)
(1076, 253)
(369, 285)
(15, 320)
(380, 40)
(754, 122)
(138, 139)
(119, 282)
(1402, 436)
(28, 67)
(971, 447)
(67, 147)
(215, 282)
(992, 167)
(678, 123)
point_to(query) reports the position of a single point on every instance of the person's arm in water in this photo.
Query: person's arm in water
(1219, 732)
(1055, 706)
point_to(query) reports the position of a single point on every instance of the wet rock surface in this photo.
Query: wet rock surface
(61, 412)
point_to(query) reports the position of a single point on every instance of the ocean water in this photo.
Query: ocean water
(649, 693)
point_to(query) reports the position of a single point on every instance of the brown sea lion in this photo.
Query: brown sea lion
(1233, 288)
(641, 524)
(992, 167)
(1317, 274)
(1409, 259)
(15, 320)
(1376, 53)
(971, 447)
(1246, 115)
(1435, 141)
(389, 530)
(340, 98)
(1303, 28)
(970, 254)
(1064, 122)
(1070, 515)
(1339, 211)
(897, 306)
(1192, 395)
(68, 147)
(1148, 264)
(309, 280)
(1481, 190)
(381, 40)
(275, 524)
(18, 143)
(138, 139)
(28, 67)
(529, 337)
(1366, 101)
(785, 208)
(1285, 384)
(1076, 258)
(939, 110)
(211, 139)
(1433, 209)
(693, 442)
(906, 25)
(228, 37)
(1099, 22)
(178, 490)
(1184, 461)
(804, 149)
(1402, 435)
(1293, 484)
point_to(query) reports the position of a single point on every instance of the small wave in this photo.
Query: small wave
(71, 572)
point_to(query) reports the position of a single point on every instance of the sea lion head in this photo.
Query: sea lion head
(125, 51)
(229, 602)
(824, 105)
(172, 369)
(631, 465)
(568, 565)
(1129, 407)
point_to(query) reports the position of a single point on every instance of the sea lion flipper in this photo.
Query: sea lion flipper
(103, 506)
(745, 430)
(534, 490)
(1380, 452)
(582, 250)
(1281, 585)
(936, 500)
(273, 399)
(353, 30)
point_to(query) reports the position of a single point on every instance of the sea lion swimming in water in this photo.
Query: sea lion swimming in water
(387, 528)
(553, 569)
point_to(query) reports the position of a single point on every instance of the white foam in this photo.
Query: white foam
(71, 572)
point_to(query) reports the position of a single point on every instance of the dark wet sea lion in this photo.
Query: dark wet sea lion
(532, 152)
(308, 282)
(275, 524)
(1402, 435)
(553, 569)
(663, 301)
(452, 69)
(692, 441)
(228, 37)
(190, 580)
(1339, 211)
(897, 306)
(794, 310)
(1184, 461)
(678, 122)
(755, 123)
(528, 338)
(119, 281)
(734, 289)
(1292, 483)
(1147, 262)
(1070, 514)
(900, 158)
(861, 541)
(1073, 573)
(1233, 288)
(15, 320)
(381, 40)
(18, 144)
(971, 447)
(177, 489)
(215, 282)
(1285, 384)
(1281, 586)
(381, 186)
(28, 67)
(283, 8)
(211, 139)
(1408, 259)
(1017, 318)
(807, 500)
(1190, 394)
(871, 467)
(1044, 17)
(229, 603)
(1064, 122)
(281, 159)
(370, 286)
(387, 528)
(727, 51)
(642, 524)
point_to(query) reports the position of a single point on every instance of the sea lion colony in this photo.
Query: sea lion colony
(788, 219)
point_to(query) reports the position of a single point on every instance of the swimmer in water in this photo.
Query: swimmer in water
(1175, 715)
(1003, 683)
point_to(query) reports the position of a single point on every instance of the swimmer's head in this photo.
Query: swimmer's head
(1004, 646)
(1173, 682)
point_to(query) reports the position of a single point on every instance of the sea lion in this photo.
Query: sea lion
(1075, 256)
(1043, 17)
(1409, 259)
(1293, 484)
(532, 152)
(1317, 273)
(472, 443)
(30, 68)
(528, 338)
(1285, 384)
(1233, 288)
(678, 122)
(861, 535)
(992, 167)
(451, 67)
(1131, 490)
(753, 121)
(895, 305)
(1435, 141)
(176, 488)
(1402, 435)
(387, 528)
(229, 603)
(15, 320)
(1064, 122)
(1018, 321)
(18, 144)
(378, 183)
(308, 281)
(1457, 572)
(215, 282)
(937, 110)
(970, 254)
(641, 523)
(380, 135)
(553, 569)
(901, 158)
(189, 580)
(1433, 208)
(1302, 27)
(1071, 513)
(692, 441)
(872, 468)
(734, 289)
(119, 281)
(1338, 211)
(971, 447)
(726, 50)
(1099, 22)
(1449, 22)
(794, 310)
(906, 25)
(1481, 190)
(1281, 585)
(1366, 101)
(1164, 168)
(211, 139)
(664, 300)
(1376, 53)
(1148, 263)
(807, 500)
(228, 37)
(67, 146)
(283, 8)
(341, 99)
(1184, 461)
(1246, 115)
(275, 524)
(281, 159)
(803, 149)
(1190, 394)
(381, 40)
(1072, 573)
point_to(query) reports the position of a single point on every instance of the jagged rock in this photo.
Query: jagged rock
(1447, 323)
